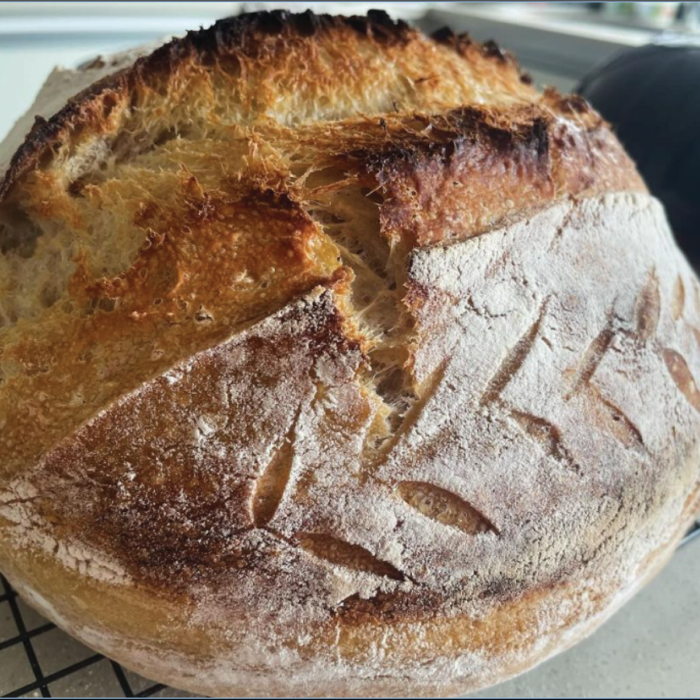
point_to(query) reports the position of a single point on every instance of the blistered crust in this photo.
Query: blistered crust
(257, 42)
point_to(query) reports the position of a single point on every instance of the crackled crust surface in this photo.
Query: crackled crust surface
(361, 366)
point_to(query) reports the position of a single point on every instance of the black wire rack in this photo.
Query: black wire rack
(44, 684)
(692, 533)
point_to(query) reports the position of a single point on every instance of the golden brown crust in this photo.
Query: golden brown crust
(247, 36)
(262, 37)
(339, 380)
(177, 521)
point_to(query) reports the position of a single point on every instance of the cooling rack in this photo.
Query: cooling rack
(93, 671)
(692, 533)
(46, 680)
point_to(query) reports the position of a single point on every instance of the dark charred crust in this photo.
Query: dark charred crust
(244, 36)
(306, 23)
(445, 135)
(526, 78)
(539, 137)
(423, 171)
(380, 26)
(491, 49)
(451, 132)
(379, 18)
(446, 37)
(273, 22)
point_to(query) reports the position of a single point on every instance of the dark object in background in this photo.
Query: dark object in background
(651, 96)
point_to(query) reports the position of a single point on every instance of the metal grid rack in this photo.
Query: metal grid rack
(119, 682)
(692, 533)
(47, 682)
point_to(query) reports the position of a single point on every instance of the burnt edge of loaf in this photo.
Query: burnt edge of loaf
(457, 42)
(241, 36)
(454, 130)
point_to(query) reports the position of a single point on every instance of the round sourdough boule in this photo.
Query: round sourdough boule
(335, 360)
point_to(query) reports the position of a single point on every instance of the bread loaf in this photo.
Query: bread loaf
(335, 360)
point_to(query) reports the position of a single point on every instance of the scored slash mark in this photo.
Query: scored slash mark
(272, 482)
(648, 309)
(678, 301)
(409, 419)
(681, 375)
(591, 359)
(647, 313)
(541, 430)
(548, 435)
(614, 420)
(444, 507)
(513, 360)
(610, 417)
(349, 556)
(559, 233)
